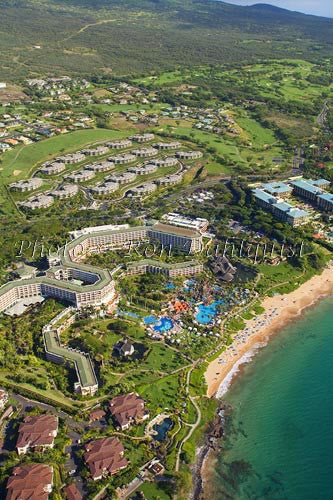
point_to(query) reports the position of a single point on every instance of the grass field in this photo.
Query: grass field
(23, 160)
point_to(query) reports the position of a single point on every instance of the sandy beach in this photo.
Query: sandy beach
(279, 310)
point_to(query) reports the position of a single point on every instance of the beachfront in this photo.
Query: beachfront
(279, 310)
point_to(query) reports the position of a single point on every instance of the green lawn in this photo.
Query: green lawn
(25, 159)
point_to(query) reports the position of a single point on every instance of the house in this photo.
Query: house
(30, 482)
(124, 348)
(72, 492)
(96, 415)
(127, 409)
(3, 398)
(155, 467)
(36, 431)
(105, 457)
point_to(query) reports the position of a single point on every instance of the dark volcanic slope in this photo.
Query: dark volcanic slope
(129, 36)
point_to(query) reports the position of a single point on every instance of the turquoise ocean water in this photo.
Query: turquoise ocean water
(280, 444)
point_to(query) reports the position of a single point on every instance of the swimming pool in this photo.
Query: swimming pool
(150, 320)
(162, 429)
(170, 286)
(206, 314)
(128, 313)
(163, 325)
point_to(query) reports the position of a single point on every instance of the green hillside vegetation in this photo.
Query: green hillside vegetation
(131, 36)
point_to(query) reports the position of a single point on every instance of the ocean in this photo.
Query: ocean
(279, 443)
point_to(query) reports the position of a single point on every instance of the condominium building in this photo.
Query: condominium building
(123, 178)
(167, 145)
(280, 189)
(189, 268)
(65, 191)
(142, 137)
(189, 155)
(30, 482)
(105, 457)
(104, 166)
(98, 151)
(122, 159)
(36, 431)
(147, 169)
(169, 180)
(143, 189)
(127, 409)
(26, 185)
(37, 202)
(72, 158)
(106, 188)
(165, 162)
(126, 143)
(145, 152)
(53, 168)
(81, 175)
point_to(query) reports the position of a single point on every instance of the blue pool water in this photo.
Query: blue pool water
(170, 286)
(206, 314)
(163, 325)
(149, 320)
(162, 429)
(128, 313)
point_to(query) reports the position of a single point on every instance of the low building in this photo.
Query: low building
(147, 169)
(105, 189)
(3, 398)
(145, 152)
(98, 151)
(36, 431)
(167, 145)
(169, 180)
(105, 457)
(123, 178)
(53, 168)
(72, 492)
(104, 166)
(26, 185)
(189, 155)
(96, 415)
(122, 159)
(196, 223)
(144, 189)
(126, 143)
(165, 162)
(30, 482)
(128, 409)
(124, 348)
(65, 191)
(73, 158)
(81, 175)
(142, 137)
(37, 202)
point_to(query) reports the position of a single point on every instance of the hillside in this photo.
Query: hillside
(130, 36)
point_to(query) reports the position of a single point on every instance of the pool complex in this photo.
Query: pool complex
(150, 320)
(163, 325)
(206, 314)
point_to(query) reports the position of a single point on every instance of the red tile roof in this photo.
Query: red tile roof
(72, 492)
(105, 456)
(30, 482)
(127, 408)
(37, 430)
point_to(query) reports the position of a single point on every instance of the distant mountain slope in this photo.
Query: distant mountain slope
(130, 36)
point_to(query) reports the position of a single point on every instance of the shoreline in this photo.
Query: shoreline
(279, 310)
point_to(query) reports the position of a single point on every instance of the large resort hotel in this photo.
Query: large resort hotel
(271, 197)
(79, 284)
